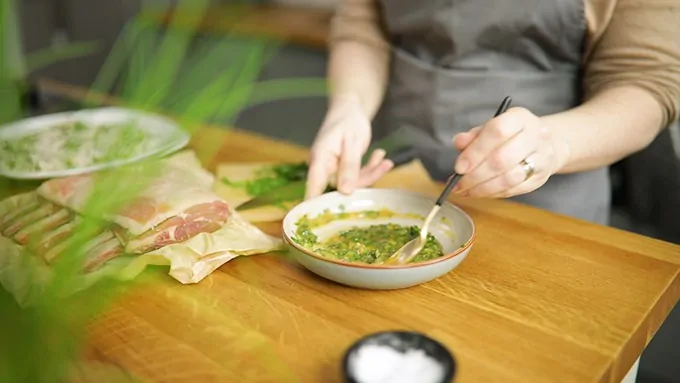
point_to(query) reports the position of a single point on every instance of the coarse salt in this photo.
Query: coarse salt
(374, 363)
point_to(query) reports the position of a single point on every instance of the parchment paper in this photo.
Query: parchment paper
(24, 274)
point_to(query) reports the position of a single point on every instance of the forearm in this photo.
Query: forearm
(359, 57)
(631, 84)
(358, 73)
(613, 124)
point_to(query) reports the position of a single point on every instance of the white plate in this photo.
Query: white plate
(169, 134)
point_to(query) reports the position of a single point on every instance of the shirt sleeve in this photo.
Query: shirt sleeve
(360, 21)
(640, 46)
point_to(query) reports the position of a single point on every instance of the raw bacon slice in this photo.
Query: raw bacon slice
(106, 251)
(43, 226)
(97, 238)
(43, 211)
(95, 253)
(175, 190)
(48, 230)
(101, 238)
(203, 218)
(69, 191)
(17, 206)
(167, 200)
(54, 238)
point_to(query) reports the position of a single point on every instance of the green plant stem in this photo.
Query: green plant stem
(44, 57)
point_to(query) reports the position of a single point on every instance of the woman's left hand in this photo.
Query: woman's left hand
(509, 155)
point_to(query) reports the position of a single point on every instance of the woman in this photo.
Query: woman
(593, 81)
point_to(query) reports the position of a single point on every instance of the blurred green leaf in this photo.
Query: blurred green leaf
(162, 70)
(155, 84)
(272, 90)
(45, 57)
(11, 93)
(114, 63)
(12, 64)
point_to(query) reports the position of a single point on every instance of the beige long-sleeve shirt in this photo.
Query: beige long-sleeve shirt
(629, 43)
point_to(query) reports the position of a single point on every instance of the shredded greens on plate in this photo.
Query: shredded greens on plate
(74, 145)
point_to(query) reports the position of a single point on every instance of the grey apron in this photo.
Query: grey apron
(453, 63)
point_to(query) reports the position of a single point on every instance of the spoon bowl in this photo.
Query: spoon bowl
(410, 250)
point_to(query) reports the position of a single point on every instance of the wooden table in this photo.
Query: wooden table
(541, 298)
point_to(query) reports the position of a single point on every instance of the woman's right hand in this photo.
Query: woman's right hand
(338, 149)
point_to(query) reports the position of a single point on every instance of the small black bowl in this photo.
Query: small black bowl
(403, 341)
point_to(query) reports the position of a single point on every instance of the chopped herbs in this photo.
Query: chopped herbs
(369, 244)
(270, 178)
(305, 236)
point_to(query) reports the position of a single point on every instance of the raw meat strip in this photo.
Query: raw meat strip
(48, 230)
(56, 251)
(203, 218)
(142, 210)
(42, 227)
(20, 222)
(23, 204)
(175, 190)
(102, 253)
(69, 191)
(54, 238)
(99, 239)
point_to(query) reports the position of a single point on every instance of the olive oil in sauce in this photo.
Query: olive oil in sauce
(368, 244)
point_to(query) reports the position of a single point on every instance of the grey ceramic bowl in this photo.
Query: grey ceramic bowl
(452, 227)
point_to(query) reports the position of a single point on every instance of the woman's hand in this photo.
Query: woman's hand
(510, 155)
(338, 149)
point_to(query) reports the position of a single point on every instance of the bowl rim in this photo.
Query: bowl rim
(448, 375)
(443, 258)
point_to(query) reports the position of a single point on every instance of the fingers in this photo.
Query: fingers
(370, 175)
(337, 150)
(491, 136)
(492, 156)
(499, 163)
(349, 167)
(317, 178)
(512, 182)
(462, 140)
(375, 168)
(376, 157)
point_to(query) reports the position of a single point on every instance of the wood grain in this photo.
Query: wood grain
(541, 298)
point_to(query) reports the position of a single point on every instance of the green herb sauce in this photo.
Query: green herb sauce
(370, 244)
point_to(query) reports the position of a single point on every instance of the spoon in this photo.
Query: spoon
(409, 251)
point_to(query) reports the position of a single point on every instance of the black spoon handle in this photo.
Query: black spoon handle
(453, 180)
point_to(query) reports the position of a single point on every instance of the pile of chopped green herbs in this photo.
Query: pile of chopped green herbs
(270, 178)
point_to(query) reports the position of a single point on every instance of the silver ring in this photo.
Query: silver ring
(528, 167)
